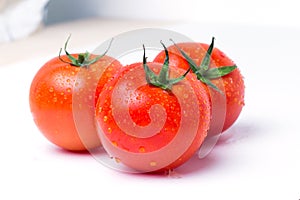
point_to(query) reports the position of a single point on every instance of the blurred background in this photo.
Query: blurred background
(20, 18)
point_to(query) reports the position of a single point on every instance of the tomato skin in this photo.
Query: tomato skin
(232, 83)
(126, 136)
(51, 101)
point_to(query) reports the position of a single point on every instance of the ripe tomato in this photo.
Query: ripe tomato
(149, 128)
(52, 94)
(232, 83)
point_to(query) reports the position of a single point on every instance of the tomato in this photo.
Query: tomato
(152, 127)
(231, 84)
(52, 93)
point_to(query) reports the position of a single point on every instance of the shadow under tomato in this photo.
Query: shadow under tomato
(214, 160)
(237, 133)
(69, 152)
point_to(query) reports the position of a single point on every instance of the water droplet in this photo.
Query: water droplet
(51, 89)
(241, 103)
(142, 149)
(69, 90)
(108, 75)
(222, 54)
(109, 130)
(114, 143)
(105, 118)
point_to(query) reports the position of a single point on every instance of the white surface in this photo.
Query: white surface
(258, 158)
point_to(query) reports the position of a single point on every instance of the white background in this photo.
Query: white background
(263, 12)
(258, 158)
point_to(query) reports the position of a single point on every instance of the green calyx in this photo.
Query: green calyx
(161, 80)
(203, 72)
(83, 59)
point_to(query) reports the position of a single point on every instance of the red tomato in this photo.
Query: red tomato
(52, 94)
(232, 84)
(149, 128)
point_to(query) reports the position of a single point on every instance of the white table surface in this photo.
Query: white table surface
(257, 158)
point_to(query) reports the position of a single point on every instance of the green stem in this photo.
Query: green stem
(83, 59)
(203, 72)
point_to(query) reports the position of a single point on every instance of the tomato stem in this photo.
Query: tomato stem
(203, 72)
(83, 59)
(161, 80)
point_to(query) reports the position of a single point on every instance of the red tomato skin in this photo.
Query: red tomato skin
(51, 102)
(139, 104)
(232, 83)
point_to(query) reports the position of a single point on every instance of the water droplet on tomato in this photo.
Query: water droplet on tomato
(51, 89)
(241, 103)
(153, 163)
(222, 54)
(114, 143)
(105, 118)
(118, 160)
(142, 149)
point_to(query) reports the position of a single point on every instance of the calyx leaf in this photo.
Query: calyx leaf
(203, 72)
(161, 80)
(83, 59)
(214, 73)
